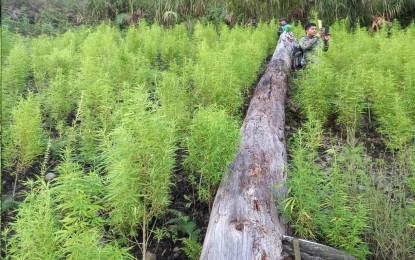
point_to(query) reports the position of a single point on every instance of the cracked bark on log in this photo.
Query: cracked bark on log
(244, 222)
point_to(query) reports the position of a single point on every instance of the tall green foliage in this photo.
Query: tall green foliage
(174, 101)
(88, 245)
(59, 98)
(60, 220)
(139, 157)
(316, 97)
(222, 75)
(14, 74)
(327, 202)
(79, 203)
(24, 140)
(78, 197)
(303, 203)
(42, 49)
(346, 204)
(7, 39)
(371, 86)
(136, 67)
(362, 204)
(98, 79)
(176, 45)
(36, 226)
(121, 103)
(148, 37)
(26, 131)
(52, 54)
(409, 88)
(212, 145)
(391, 226)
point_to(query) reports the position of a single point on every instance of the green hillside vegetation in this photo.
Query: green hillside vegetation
(99, 123)
(107, 111)
(352, 169)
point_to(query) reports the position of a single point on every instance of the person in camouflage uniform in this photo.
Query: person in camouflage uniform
(311, 40)
(307, 44)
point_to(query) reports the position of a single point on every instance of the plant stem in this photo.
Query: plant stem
(144, 235)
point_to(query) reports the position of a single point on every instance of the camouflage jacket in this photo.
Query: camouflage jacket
(308, 43)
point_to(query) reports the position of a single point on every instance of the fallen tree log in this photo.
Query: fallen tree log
(313, 251)
(244, 222)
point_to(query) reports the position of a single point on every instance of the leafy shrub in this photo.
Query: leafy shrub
(35, 226)
(149, 41)
(79, 203)
(139, 157)
(62, 219)
(7, 40)
(351, 102)
(212, 144)
(78, 197)
(59, 99)
(409, 88)
(174, 101)
(346, 206)
(305, 178)
(41, 49)
(14, 74)
(16, 71)
(390, 110)
(24, 141)
(315, 95)
(176, 45)
(98, 81)
(222, 75)
(215, 81)
(88, 245)
(205, 33)
(327, 203)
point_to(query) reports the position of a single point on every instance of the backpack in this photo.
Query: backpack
(298, 58)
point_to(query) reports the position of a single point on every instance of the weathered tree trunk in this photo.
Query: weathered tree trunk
(244, 222)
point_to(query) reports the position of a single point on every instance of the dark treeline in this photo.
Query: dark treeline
(48, 16)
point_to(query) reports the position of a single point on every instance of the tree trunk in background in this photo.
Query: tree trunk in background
(244, 222)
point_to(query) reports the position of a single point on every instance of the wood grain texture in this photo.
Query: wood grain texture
(313, 251)
(244, 222)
